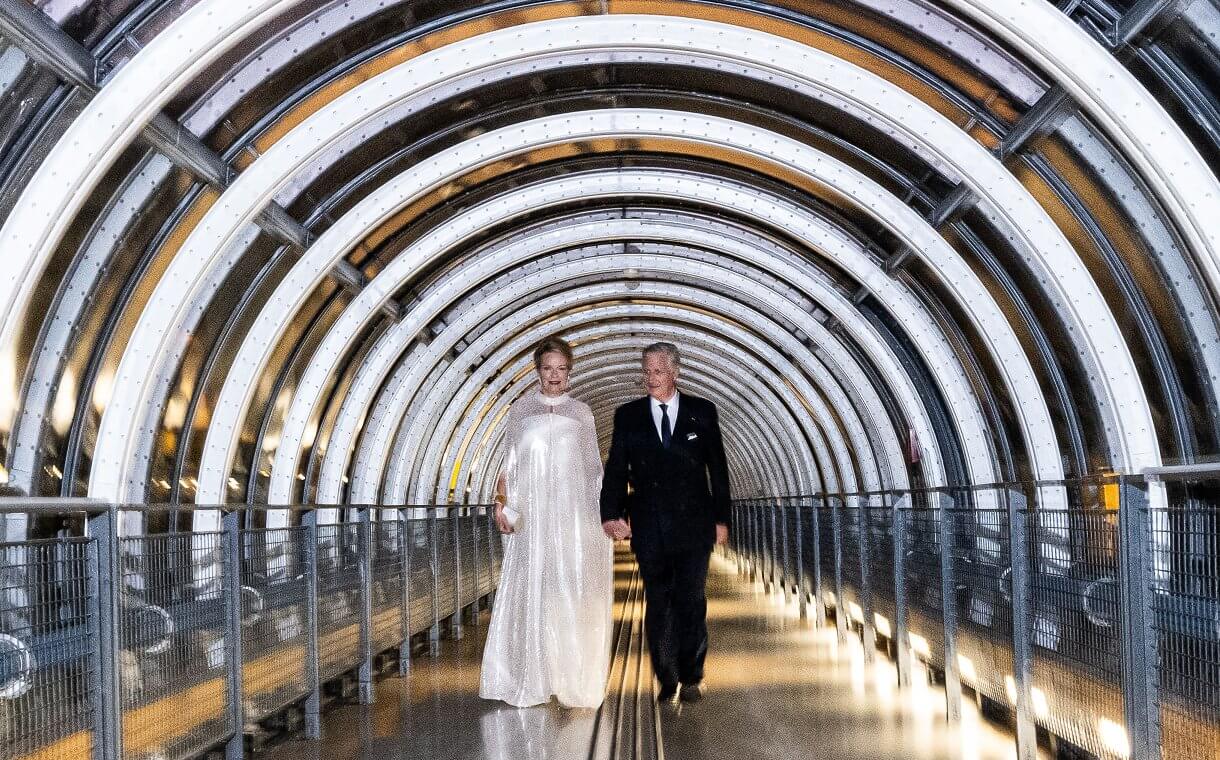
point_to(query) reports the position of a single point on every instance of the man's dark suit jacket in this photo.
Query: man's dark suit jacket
(678, 494)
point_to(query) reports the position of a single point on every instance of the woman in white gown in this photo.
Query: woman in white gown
(550, 628)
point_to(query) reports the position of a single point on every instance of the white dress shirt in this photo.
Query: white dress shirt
(671, 411)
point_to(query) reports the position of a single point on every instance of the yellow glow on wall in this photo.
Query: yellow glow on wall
(8, 389)
(882, 624)
(1114, 736)
(103, 390)
(965, 667)
(64, 408)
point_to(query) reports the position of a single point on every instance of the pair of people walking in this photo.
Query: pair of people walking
(664, 486)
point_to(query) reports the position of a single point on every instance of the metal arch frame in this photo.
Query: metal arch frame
(587, 326)
(208, 499)
(963, 398)
(829, 380)
(403, 331)
(814, 231)
(604, 320)
(436, 350)
(148, 436)
(1049, 454)
(422, 362)
(406, 332)
(780, 408)
(1138, 124)
(402, 444)
(1061, 22)
(427, 469)
(696, 297)
(110, 122)
(204, 114)
(406, 441)
(807, 52)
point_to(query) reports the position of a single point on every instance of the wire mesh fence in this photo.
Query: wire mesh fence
(467, 558)
(829, 551)
(922, 579)
(1090, 608)
(850, 557)
(174, 644)
(47, 631)
(791, 527)
(421, 573)
(444, 557)
(980, 549)
(171, 642)
(482, 537)
(1185, 567)
(808, 547)
(338, 597)
(879, 523)
(1075, 623)
(389, 566)
(273, 619)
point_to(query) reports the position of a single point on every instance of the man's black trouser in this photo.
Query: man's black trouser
(676, 617)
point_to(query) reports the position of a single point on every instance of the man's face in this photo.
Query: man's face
(659, 376)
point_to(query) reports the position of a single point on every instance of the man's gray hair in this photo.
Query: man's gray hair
(668, 349)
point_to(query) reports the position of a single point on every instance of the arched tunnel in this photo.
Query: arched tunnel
(274, 271)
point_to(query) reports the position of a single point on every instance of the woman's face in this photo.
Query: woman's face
(553, 374)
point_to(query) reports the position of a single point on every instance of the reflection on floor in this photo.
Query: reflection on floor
(776, 689)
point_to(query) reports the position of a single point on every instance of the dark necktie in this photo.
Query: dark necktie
(665, 431)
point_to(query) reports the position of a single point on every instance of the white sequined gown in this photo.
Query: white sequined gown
(550, 627)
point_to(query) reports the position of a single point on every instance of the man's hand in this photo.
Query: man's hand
(722, 534)
(617, 530)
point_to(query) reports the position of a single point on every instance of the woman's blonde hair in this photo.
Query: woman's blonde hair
(552, 344)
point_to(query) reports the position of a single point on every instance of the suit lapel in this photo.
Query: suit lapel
(680, 423)
(650, 427)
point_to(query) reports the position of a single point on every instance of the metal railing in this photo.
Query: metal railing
(1104, 633)
(176, 644)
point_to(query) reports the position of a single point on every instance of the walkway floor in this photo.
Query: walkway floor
(776, 689)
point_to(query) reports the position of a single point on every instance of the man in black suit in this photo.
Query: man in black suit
(667, 447)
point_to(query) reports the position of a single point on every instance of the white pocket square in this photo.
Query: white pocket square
(691, 436)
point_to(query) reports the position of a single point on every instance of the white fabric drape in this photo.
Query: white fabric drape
(550, 629)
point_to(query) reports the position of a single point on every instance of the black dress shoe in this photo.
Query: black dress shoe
(668, 693)
(692, 692)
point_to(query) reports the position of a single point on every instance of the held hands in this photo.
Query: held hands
(722, 534)
(617, 530)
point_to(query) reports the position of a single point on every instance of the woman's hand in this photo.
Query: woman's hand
(501, 521)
